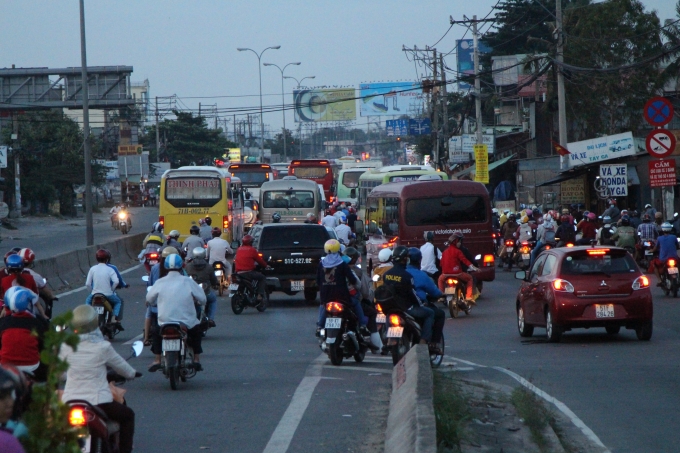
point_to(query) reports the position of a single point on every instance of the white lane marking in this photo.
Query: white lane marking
(138, 337)
(283, 434)
(356, 368)
(68, 293)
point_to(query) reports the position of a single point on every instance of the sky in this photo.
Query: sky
(188, 48)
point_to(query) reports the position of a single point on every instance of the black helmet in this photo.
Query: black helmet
(400, 254)
(194, 229)
(208, 221)
(429, 236)
(625, 220)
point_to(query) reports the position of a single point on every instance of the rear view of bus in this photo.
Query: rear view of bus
(252, 176)
(319, 171)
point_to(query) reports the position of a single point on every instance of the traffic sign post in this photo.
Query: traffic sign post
(658, 111)
(660, 143)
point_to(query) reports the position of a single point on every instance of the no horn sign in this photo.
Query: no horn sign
(615, 178)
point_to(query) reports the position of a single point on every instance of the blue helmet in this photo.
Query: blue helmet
(343, 219)
(173, 262)
(414, 254)
(14, 262)
(19, 299)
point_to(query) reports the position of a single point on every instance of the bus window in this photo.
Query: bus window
(351, 179)
(288, 199)
(190, 192)
(251, 178)
(447, 210)
(386, 216)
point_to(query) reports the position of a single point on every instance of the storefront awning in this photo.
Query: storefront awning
(492, 166)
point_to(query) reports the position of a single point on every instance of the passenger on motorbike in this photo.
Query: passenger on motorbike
(604, 234)
(588, 229)
(44, 291)
(362, 295)
(565, 232)
(218, 249)
(344, 232)
(204, 229)
(401, 285)
(667, 246)
(524, 232)
(175, 295)
(8, 402)
(426, 290)
(103, 279)
(646, 231)
(155, 235)
(18, 276)
(625, 234)
(21, 333)
(385, 258)
(245, 263)
(453, 261)
(431, 255)
(87, 369)
(197, 267)
(193, 241)
(151, 317)
(545, 234)
(172, 241)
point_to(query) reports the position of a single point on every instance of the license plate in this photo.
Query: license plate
(218, 273)
(672, 270)
(297, 285)
(449, 290)
(526, 256)
(395, 332)
(153, 262)
(648, 252)
(604, 311)
(509, 249)
(381, 318)
(171, 345)
(330, 340)
(333, 323)
(233, 287)
(99, 309)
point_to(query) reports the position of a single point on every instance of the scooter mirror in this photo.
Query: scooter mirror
(145, 278)
(137, 348)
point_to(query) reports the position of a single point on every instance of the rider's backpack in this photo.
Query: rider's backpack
(567, 234)
(606, 236)
(549, 233)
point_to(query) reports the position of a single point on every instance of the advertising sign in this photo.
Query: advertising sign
(233, 154)
(662, 172)
(601, 148)
(466, 62)
(3, 157)
(573, 191)
(615, 179)
(481, 164)
(456, 154)
(503, 205)
(129, 150)
(396, 128)
(469, 141)
(319, 105)
(390, 98)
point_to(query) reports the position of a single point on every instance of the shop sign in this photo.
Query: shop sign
(573, 191)
(615, 179)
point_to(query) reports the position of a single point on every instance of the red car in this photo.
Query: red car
(583, 287)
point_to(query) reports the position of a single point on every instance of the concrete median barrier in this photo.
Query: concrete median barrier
(411, 425)
(133, 245)
(47, 268)
(69, 270)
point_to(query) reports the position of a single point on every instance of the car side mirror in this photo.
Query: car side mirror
(359, 227)
(521, 275)
(136, 349)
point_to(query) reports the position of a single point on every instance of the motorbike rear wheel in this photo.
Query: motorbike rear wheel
(335, 353)
(262, 306)
(237, 303)
(401, 348)
(220, 286)
(173, 373)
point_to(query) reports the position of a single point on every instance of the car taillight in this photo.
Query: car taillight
(671, 263)
(641, 282)
(161, 220)
(378, 307)
(489, 260)
(334, 307)
(225, 221)
(509, 243)
(451, 281)
(395, 320)
(570, 244)
(547, 247)
(563, 285)
(598, 252)
(76, 417)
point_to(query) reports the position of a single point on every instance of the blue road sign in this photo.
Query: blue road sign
(419, 126)
(396, 128)
(658, 111)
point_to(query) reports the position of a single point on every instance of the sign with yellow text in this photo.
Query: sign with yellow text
(573, 191)
(481, 164)
(129, 150)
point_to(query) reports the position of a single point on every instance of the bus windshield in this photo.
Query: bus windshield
(288, 199)
(351, 178)
(193, 191)
(446, 210)
(310, 172)
(249, 177)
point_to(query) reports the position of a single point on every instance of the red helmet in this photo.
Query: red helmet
(564, 218)
(216, 232)
(103, 256)
(27, 255)
(247, 240)
(591, 215)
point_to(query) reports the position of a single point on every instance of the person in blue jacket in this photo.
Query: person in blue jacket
(426, 289)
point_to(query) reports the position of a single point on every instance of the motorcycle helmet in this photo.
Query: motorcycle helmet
(494, 211)
(14, 263)
(198, 252)
(7, 255)
(247, 240)
(666, 227)
(564, 218)
(658, 215)
(456, 236)
(625, 220)
(8, 384)
(85, 319)
(536, 212)
(201, 222)
(331, 246)
(311, 217)
(525, 219)
(103, 256)
(19, 299)
(612, 202)
(156, 227)
(194, 230)
(174, 262)
(606, 220)
(565, 211)
(648, 206)
(174, 234)
(385, 255)
(591, 216)
(216, 232)
(22, 388)
(27, 255)
(400, 254)
(415, 256)
(512, 217)
(506, 211)
(276, 217)
(646, 218)
(167, 251)
(343, 219)
(208, 221)
(529, 212)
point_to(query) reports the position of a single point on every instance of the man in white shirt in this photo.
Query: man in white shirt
(114, 213)
(175, 296)
(218, 249)
(343, 231)
(104, 280)
(329, 221)
(429, 262)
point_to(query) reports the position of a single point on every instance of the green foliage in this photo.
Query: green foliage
(47, 417)
(451, 413)
(536, 416)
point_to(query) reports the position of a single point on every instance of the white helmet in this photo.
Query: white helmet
(385, 255)
(494, 210)
(198, 252)
(174, 234)
(506, 211)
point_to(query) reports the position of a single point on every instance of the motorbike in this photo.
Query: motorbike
(243, 293)
(647, 254)
(177, 361)
(497, 240)
(98, 433)
(222, 278)
(454, 291)
(107, 321)
(510, 245)
(524, 258)
(340, 338)
(124, 222)
(669, 278)
(150, 260)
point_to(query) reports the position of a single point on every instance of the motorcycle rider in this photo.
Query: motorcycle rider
(311, 218)
(17, 276)
(588, 229)
(276, 218)
(44, 291)
(172, 241)
(175, 296)
(508, 231)
(667, 246)
(658, 221)
(649, 210)
(104, 280)
(612, 211)
(431, 255)
(646, 231)
(205, 230)
(402, 286)
(193, 241)
(352, 218)
(329, 220)
(625, 234)
(245, 262)
(21, 333)
(86, 374)
(524, 232)
(344, 232)
(114, 214)
(453, 261)
(8, 401)
(385, 258)
(565, 232)
(151, 317)
(152, 243)
(362, 294)
(495, 222)
(604, 234)
(545, 234)
(198, 268)
(426, 289)
(503, 218)
(218, 249)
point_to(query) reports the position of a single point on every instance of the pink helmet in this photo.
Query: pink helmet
(591, 215)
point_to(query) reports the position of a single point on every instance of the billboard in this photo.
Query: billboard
(390, 98)
(601, 148)
(466, 63)
(321, 104)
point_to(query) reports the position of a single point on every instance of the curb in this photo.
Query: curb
(411, 425)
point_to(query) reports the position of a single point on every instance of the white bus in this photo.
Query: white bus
(292, 199)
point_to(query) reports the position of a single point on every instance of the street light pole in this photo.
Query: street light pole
(89, 232)
(259, 69)
(299, 82)
(283, 104)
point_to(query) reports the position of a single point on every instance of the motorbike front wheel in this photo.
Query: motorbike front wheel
(262, 306)
(237, 303)
(359, 356)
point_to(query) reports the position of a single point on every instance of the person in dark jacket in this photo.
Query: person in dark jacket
(197, 267)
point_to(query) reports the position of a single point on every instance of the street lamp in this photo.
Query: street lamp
(283, 103)
(259, 69)
(299, 82)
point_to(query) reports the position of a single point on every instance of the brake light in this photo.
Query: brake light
(76, 417)
(394, 239)
(451, 281)
(563, 285)
(671, 263)
(231, 205)
(161, 220)
(509, 243)
(260, 255)
(218, 265)
(597, 252)
(525, 243)
(489, 260)
(641, 282)
(378, 307)
(395, 320)
(225, 222)
(547, 247)
(334, 307)
(153, 256)
(570, 244)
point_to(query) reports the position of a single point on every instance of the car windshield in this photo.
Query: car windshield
(293, 237)
(598, 261)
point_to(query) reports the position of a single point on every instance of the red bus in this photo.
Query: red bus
(317, 170)
(252, 176)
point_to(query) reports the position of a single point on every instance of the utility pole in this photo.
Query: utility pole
(561, 97)
(86, 131)
(158, 136)
(15, 149)
(445, 110)
(435, 102)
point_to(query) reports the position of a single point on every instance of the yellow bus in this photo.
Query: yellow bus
(191, 193)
